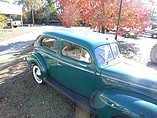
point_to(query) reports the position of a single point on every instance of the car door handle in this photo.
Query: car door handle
(58, 64)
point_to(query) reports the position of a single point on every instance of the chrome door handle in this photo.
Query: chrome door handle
(58, 64)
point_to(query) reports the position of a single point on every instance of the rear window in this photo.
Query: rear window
(50, 43)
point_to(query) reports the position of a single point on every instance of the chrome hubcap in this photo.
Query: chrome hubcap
(37, 74)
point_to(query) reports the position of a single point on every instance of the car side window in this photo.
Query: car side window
(50, 43)
(76, 52)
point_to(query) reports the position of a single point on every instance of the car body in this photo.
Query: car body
(126, 32)
(153, 54)
(15, 23)
(151, 32)
(89, 69)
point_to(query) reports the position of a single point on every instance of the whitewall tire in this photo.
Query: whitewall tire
(37, 74)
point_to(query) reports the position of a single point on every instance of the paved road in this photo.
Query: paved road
(11, 46)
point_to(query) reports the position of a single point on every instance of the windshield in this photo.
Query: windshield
(106, 53)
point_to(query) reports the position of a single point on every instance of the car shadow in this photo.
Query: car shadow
(15, 46)
(8, 50)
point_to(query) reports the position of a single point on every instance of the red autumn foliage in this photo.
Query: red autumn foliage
(104, 13)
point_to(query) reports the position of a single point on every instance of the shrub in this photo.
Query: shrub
(3, 22)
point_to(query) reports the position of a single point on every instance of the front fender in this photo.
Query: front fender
(36, 58)
(110, 103)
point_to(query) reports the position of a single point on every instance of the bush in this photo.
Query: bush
(3, 22)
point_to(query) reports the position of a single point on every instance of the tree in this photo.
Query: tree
(30, 7)
(104, 13)
(41, 11)
(49, 10)
(3, 22)
(154, 16)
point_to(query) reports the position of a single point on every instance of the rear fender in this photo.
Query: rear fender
(36, 58)
(110, 103)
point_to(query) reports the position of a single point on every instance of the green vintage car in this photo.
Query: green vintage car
(89, 69)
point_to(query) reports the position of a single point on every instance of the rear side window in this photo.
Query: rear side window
(50, 43)
(75, 52)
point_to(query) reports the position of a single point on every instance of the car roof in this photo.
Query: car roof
(86, 38)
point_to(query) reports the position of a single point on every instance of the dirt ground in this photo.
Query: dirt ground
(22, 97)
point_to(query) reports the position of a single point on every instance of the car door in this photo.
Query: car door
(76, 70)
(49, 52)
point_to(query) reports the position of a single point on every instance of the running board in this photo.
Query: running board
(78, 99)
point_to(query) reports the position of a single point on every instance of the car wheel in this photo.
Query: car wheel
(154, 35)
(15, 26)
(153, 54)
(37, 74)
(127, 35)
